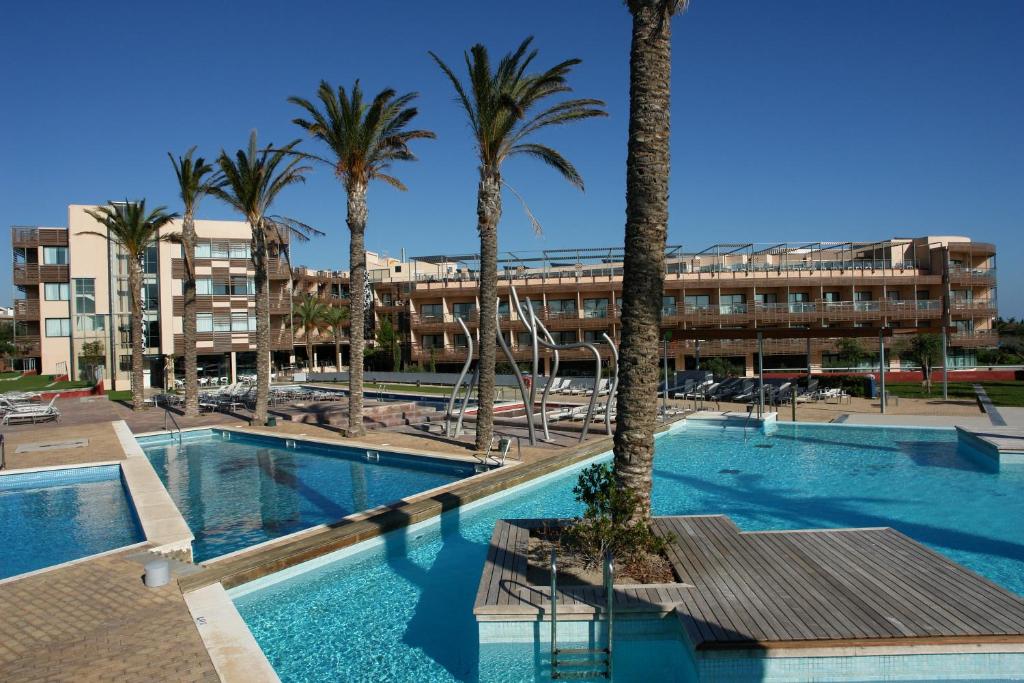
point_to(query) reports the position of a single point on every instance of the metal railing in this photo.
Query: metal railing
(168, 413)
(602, 668)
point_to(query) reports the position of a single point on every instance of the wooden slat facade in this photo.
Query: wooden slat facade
(776, 589)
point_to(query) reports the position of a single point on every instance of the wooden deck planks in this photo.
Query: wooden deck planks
(837, 587)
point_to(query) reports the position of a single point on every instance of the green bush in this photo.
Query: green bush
(607, 524)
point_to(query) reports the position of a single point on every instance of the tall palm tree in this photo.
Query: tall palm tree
(363, 139)
(505, 107)
(334, 319)
(253, 179)
(643, 281)
(133, 230)
(309, 312)
(196, 179)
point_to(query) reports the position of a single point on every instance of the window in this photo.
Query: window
(863, 301)
(58, 327)
(432, 341)
(799, 302)
(465, 309)
(524, 340)
(766, 298)
(204, 322)
(595, 336)
(55, 256)
(565, 308)
(239, 250)
(150, 260)
(893, 296)
(503, 309)
(150, 296)
(595, 308)
(832, 297)
(85, 295)
(241, 321)
(242, 286)
(124, 362)
(668, 305)
(203, 250)
(431, 311)
(55, 291)
(204, 286)
(697, 302)
(221, 323)
(964, 325)
(862, 296)
(461, 341)
(90, 323)
(732, 303)
(564, 337)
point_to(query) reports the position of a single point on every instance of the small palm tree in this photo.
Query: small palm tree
(643, 281)
(364, 139)
(196, 179)
(334, 319)
(505, 108)
(133, 230)
(308, 312)
(253, 179)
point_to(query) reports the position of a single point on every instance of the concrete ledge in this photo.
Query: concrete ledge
(159, 517)
(234, 652)
(1005, 445)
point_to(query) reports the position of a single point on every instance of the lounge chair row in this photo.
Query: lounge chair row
(576, 386)
(18, 409)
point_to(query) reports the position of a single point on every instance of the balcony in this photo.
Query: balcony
(26, 309)
(974, 340)
(972, 276)
(34, 273)
(28, 345)
(973, 307)
(37, 237)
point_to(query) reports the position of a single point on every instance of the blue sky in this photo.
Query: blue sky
(800, 120)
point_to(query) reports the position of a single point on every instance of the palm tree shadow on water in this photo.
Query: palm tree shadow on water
(443, 625)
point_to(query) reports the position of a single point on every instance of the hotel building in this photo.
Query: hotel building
(71, 291)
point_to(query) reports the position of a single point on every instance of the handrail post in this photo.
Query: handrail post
(609, 578)
(554, 612)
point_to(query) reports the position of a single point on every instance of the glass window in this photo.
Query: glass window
(150, 259)
(55, 256)
(732, 303)
(564, 337)
(564, 307)
(833, 297)
(767, 298)
(221, 323)
(55, 291)
(240, 321)
(668, 305)
(239, 250)
(242, 285)
(203, 250)
(220, 250)
(503, 308)
(461, 341)
(700, 302)
(90, 323)
(595, 308)
(799, 297)
(464, 309)
(58, 327)
(893, 296)
(204, 322)
(150, 296)
(595, 336)
(861, 296)
(204, 286)
(85, 295)
(524, 340)
(431, 310)
(432, 341)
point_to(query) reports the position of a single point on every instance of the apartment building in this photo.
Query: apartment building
(72, 309)
(903, 283)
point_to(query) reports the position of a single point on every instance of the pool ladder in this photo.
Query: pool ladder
(169, 414)
(598, 662)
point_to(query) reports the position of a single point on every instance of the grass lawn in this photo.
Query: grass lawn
(10, 375)
(120, 395)
(1001, 393)
(39, 383)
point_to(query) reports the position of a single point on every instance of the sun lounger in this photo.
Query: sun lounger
(32, 413)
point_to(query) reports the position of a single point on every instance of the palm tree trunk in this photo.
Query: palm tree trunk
(309, 348)
(357, 266)
(647, 169)
(134, 296)
(262, 283)
(488, 213)
(337, 352)
(188, 323)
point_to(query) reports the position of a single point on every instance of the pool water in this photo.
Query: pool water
(238, 490)
(57, 516)
(402, 610)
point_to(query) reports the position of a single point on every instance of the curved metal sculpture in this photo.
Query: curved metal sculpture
(458, 385)
(614, 387)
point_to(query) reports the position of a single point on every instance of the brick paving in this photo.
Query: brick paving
(97, 621)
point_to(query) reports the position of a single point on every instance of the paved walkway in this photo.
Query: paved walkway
(97, 621)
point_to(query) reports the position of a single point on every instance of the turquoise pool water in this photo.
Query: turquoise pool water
(238, 490)
(403, 610)
(61, 515)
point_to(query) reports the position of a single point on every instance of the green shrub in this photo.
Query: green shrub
(607, 524)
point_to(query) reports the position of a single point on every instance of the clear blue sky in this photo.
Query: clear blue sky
(797, 120)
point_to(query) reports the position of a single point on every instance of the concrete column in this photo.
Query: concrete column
(234, 366)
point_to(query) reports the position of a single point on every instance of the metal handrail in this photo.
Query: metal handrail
(168, 413)
(3, 453)
(609, 586)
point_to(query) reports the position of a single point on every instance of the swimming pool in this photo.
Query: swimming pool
(402, 609)
(236, 490)
(54, 516)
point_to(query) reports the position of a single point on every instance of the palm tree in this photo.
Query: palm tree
(505, 107)
(643, 280)
(309, 312)
(363, 139)
(133, 230)
(334, 319)
(253, 179)
(195, 180)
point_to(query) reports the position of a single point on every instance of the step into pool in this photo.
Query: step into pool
(236, 490)
(54, 516)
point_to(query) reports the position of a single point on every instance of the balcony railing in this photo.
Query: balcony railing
(28, 344)
(35, 237)
(26, 309)
(975, 339)
(34, 273)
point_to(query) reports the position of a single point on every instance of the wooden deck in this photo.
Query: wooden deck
(784, 589)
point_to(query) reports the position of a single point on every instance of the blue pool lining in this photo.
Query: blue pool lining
(379, 541)
(16, 480)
